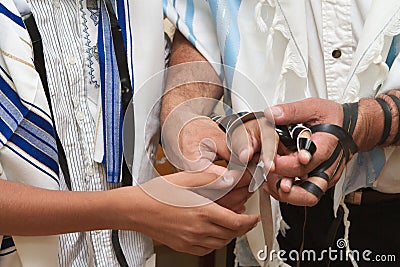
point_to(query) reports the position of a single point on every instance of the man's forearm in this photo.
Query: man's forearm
(191, 81)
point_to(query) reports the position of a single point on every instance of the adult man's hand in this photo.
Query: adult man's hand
(191, 140)
(310, 112)
(196, 146)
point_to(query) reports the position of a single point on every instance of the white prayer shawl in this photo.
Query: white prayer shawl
(145, 54)
(17, 70)
(267, 42)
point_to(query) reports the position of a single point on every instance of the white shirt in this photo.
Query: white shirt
(68, 60)
(333, 25)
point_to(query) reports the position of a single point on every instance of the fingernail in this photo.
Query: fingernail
(287, 183)
(277, 111)
(268, 165)
(228, 180)
(307, 155)
(244, 155)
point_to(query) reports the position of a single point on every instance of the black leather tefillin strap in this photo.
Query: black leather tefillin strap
(289, 135)
(40, 67)
(396, 100)
(345, 144)
(387, 120)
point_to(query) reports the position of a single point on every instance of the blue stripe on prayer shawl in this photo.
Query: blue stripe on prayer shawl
(8, 113)
(30, 132)
(372, 162)
(36, 135)
(13, 107)
(38, 108)
(5, 73)
(229, 44)
(189, 20)
(12, 123)
(5, 128)
(34, 152)
(7, 93)
(121, 18)
(55, 178)
(165, 6)
(17, 19)
(232, 43)
(40, 122)
(32, 141)
(178, 17)
(111, 100)
(394, 50)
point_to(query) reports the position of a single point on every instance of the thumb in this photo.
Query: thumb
(242, 144)
(220, 140)
(269, 145)
(240, 223)
(296, 112)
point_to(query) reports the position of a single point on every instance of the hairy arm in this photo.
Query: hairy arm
(181, 81)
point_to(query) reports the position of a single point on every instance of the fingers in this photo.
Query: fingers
(304, 157)
(238, 223)
(253, 137)
(299, 164)
(235, 199)
(243, 143)
(297, 195)
(286, 190)
(193, 143)
(213, 140)
(269, 144)
(216, 169)
(241, 175)
(310, 109)
(286, 184)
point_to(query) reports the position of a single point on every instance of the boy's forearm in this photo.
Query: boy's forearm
(27, 210)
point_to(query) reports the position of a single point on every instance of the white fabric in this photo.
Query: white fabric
(16, 64)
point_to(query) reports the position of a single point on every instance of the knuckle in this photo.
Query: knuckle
(202, 214)
(237, 224)
(188, 239)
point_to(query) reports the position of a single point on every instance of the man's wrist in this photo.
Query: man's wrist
(370, 114)
(378, 122)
